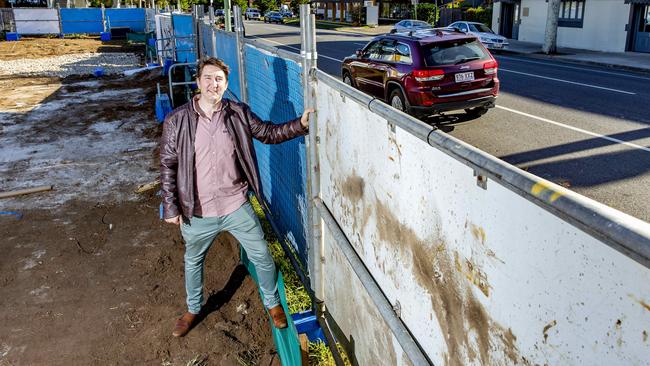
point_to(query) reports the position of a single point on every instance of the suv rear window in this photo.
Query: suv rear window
(451, 53)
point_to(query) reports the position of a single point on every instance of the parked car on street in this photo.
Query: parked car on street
(252, 13)
(287, 14)
(426, 72)
(486, 35)
(410, 25)
(219, 13)
(273, 17)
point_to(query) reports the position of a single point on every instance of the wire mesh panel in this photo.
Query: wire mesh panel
(227, 51)
(164, 36)
(275, 93)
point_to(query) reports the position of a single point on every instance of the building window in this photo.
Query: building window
(572, 13)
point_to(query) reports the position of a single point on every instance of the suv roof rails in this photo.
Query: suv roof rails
(426, 32)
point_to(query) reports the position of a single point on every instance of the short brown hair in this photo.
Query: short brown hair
(214, 62)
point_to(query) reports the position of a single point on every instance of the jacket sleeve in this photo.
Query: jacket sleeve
(169, 168)
(270, 133)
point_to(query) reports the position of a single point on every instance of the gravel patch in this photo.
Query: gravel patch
(73, 64)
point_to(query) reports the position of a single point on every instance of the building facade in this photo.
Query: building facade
(600, 25)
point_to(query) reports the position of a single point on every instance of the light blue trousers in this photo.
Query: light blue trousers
(244, 225)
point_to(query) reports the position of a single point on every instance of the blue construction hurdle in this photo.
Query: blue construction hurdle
(134, 19)
(184, 33)
(81, 20)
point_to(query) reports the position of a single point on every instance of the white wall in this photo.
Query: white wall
(603, 28)
(482, 276)
(533, 26)
(496, 17)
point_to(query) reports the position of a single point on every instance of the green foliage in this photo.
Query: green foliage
(481, 15)
(428, 12)
(294, 5)
(98, 3)
(297, 298)
(266, 5)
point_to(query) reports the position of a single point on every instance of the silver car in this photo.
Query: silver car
(408, 25)
(486, 35)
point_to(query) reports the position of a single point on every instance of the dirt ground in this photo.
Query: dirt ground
(89, 274)
(50, 46)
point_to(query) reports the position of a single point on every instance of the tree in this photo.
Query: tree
(550, 36)
(266, 5)
(295, 5)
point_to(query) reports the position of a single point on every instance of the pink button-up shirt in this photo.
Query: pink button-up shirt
(220, 186)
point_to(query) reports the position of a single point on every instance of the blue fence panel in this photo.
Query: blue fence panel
(132, 18)
(184, 32)
(275, 93)
(227, 51)
(81, 20)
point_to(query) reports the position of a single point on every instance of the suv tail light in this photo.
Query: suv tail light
(490, 67)
(428, 75)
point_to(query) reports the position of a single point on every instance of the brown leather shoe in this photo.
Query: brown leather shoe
(184, 324)
(278, 316)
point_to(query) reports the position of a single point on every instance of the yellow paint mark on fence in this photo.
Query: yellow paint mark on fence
(540, 188)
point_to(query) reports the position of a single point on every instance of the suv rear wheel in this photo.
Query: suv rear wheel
(476, 112)
(397, 100)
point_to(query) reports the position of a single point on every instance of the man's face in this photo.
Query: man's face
(213, 83)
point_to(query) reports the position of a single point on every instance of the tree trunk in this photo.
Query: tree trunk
(550, 36)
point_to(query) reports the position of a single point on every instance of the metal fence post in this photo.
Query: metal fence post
(239, 36)
(309, 56)
(58, 12)
(227, 13)
(104, 17)
(197, 32)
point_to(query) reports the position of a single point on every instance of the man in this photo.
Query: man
(207, 165)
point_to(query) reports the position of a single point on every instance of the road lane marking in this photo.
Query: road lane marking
(362, 44)
(572, 67)
(568, 82)
(295, 48)
(575, 129)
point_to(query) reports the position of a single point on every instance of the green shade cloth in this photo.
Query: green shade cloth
(286, 340)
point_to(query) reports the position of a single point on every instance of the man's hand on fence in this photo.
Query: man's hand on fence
(177, 220)
(304, 120)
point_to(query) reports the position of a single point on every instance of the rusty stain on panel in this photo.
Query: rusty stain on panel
(353, 188)
(473, 274)
(644, 304)
(641, 302)
(468, 329)
(478, 233)
(547, 327)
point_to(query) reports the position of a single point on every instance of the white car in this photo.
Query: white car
(252, 13)
(486, 35)
(408, 25)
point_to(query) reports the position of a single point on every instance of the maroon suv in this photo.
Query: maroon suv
(426, 72)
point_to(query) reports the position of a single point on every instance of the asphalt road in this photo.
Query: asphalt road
(584, 127)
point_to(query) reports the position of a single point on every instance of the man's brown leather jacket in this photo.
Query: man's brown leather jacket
(177, 151)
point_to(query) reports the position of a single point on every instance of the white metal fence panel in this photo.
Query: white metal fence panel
(164, 36)
(359, 325)
(481, 276)
(37, 21)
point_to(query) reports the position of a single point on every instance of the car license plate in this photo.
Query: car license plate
(464, 76)
(497, 45)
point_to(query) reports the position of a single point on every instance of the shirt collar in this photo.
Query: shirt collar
(197, 108)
